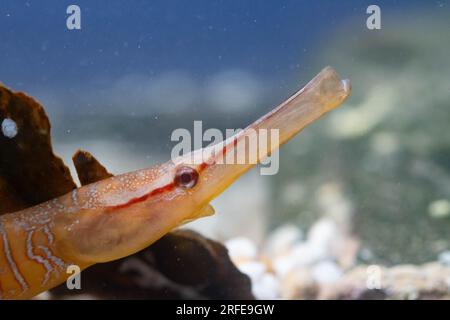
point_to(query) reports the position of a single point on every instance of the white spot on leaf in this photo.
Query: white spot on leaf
(9, 128)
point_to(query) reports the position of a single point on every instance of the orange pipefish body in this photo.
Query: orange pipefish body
(119, 216)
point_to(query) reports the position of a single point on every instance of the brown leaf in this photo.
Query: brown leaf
(30, 172)
(9, 199)
(89, 170)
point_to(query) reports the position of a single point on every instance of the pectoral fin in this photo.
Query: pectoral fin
(206, 211)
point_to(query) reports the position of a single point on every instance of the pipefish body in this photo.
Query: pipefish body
(119, 216)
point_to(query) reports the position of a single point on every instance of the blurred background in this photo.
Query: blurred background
(371, 179)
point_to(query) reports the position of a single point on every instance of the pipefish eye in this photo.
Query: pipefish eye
(186, 177)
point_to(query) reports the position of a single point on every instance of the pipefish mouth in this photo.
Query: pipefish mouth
(121, 215)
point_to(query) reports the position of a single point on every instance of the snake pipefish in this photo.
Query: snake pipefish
(119, 216)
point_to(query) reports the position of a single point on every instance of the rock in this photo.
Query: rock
(428, 281)
(355, 285)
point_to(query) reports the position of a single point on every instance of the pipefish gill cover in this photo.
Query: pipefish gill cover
(140, 151)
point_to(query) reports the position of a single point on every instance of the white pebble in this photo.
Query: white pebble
(439, 208)
(324, 234)
(281, 266)
(444, 258)
(301, 255)
(326, 272)
(282, 239)
(9, 128)
(267, 287)
(308, 253)
(255, 270)
(241, 248)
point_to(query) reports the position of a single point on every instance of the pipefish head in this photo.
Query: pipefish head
(218, 166)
